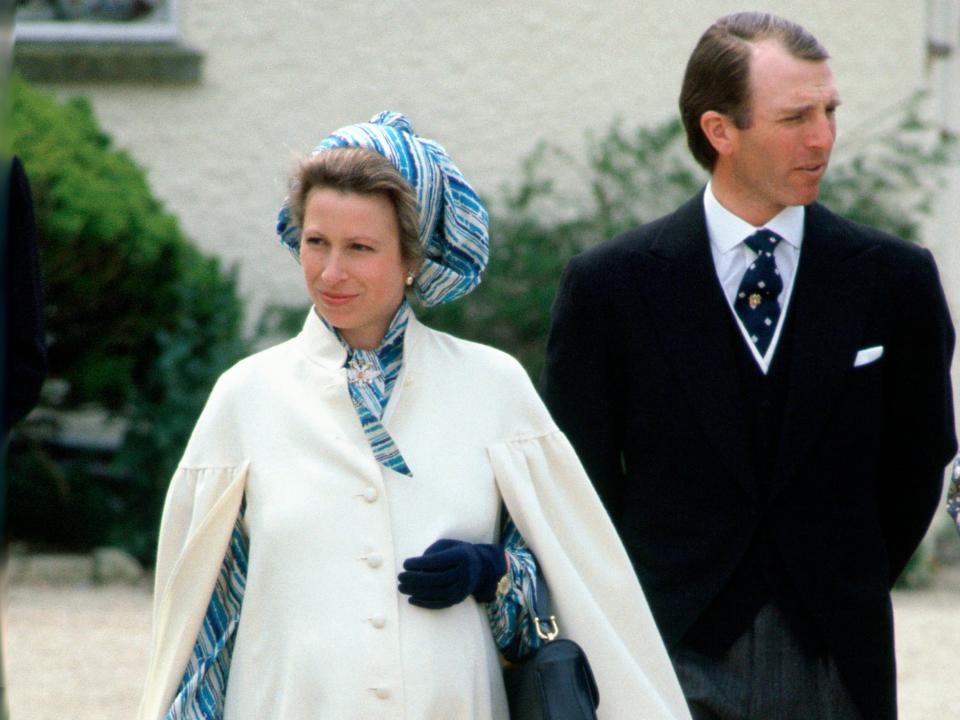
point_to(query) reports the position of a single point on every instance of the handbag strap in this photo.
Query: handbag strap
(544, 621)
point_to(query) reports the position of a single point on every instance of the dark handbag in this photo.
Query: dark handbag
(555, 682)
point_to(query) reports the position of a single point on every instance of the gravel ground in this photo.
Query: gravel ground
(78, 652)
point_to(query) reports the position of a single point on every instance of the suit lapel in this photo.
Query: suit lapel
(831, 295)
(692, 318)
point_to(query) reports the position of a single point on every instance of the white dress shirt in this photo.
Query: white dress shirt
(732, 257)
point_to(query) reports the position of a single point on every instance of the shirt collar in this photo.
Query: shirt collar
(727, 230)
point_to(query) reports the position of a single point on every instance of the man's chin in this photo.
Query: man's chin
(807, 195)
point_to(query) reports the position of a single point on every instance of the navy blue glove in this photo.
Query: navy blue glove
(449, 570)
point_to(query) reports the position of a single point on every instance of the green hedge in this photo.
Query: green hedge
(140, 323)
(885, 177)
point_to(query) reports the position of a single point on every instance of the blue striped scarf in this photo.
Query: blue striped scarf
(511, 613)
(453, 221)
(371, 375)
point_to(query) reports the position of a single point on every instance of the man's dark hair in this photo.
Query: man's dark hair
(718, 72)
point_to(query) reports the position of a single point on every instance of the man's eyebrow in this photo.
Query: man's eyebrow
(833, 102)
(796, 109)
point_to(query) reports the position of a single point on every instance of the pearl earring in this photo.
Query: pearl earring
(409, 280)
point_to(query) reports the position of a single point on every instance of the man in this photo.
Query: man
(766, 415)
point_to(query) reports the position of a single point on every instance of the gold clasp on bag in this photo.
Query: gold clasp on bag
(549, 634)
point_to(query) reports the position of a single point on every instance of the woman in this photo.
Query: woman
(369, 446)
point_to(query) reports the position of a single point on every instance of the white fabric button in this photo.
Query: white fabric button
(382, 692)
(370, 494)
(374, 560)
(378, 621)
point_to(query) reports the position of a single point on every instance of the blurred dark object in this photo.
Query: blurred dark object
(25, 361)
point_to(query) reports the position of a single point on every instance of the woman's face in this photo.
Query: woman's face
(350, 254)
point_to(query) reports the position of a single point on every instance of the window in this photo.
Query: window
(97, 20)
(102, 41)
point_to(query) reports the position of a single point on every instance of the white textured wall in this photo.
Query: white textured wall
(941, 235)
(488, 80)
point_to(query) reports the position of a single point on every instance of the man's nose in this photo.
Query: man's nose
(822, 132)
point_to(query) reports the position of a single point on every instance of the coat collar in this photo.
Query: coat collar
(832, 292)
(691, 315)
(321, 347)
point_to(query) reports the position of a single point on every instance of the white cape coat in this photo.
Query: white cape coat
(473, 430)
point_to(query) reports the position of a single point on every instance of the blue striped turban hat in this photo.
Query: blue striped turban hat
(453, 221)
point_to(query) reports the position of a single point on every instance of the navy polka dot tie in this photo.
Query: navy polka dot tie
(757, 303)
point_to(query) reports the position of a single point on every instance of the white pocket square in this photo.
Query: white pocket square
(868, 355)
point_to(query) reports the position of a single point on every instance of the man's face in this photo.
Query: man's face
(780, 159)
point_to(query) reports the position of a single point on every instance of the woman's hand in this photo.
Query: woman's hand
(449, 570)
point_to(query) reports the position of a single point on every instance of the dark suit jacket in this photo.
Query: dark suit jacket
(642, 377)
(24, 341)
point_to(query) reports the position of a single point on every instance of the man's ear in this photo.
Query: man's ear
(719, 131)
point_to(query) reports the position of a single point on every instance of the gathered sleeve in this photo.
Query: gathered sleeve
(203, 688)
(596, 596)
(199, 519)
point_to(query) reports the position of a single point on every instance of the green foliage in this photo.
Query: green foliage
(887, 173)
(919, 572)
(884, 175)
(886, 178)
(140, 322)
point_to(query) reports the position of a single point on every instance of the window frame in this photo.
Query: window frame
(139, 31)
